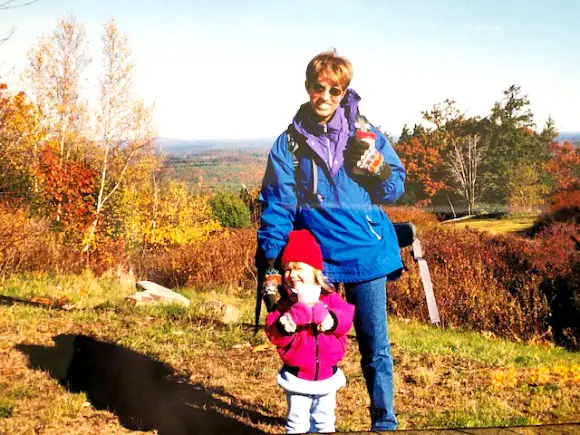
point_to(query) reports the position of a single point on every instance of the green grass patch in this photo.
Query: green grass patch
(83, 291)
(508, 224)
(6, 410)
(477, 416)
(419, 339)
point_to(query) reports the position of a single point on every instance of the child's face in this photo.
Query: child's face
(297, 273)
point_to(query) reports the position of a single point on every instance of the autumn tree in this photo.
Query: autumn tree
(55, 76)
(525, 190)
(564, 165)
(512, 141)
(422, 161)
(564, 170)
(70, 184)
(165, 213)
(463, 164)
(20, 133)
(125, 137)
(444, 158)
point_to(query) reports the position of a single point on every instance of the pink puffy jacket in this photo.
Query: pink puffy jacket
(308, 353)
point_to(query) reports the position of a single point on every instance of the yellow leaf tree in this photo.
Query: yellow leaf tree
(124, 147)
(166, 215)
(20, 132)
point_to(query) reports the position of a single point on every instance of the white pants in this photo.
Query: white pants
(310, 412)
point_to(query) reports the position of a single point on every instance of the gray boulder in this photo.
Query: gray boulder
(151, 293)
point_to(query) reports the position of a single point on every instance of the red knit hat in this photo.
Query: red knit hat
(302, 247)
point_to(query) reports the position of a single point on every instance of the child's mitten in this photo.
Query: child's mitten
(327, 323)
(301, 313)
(288, 324)
(319, 312)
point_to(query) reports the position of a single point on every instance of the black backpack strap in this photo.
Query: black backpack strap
(294, 143)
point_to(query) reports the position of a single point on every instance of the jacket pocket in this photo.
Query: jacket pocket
(374, 227)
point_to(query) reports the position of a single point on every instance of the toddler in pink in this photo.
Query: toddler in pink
(309, 328)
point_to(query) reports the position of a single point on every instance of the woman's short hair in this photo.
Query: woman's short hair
(328, 64)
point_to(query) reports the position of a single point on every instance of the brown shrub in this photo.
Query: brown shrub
(480, 282)
(558, 260)
(517, 288)
(225, 259)
(28, 244)
(513, 287)
(501, 284)
(422, 219)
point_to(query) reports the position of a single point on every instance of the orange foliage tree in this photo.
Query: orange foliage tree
(564, 165)
(20, 133)
(71, 185)
(422, 162)
(564, 168)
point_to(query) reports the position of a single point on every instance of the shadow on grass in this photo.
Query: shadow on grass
(144, 393)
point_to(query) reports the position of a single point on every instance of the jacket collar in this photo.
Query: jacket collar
(306, 125)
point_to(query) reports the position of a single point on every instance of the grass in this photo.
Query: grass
(507, 224)
(443, 378)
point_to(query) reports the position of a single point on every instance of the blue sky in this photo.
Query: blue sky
(235, 69)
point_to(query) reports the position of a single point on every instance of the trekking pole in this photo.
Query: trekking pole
(407, 236)
(426, 280)
(258, 309)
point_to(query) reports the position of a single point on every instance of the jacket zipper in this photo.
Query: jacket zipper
(328, 147)
(316, 352)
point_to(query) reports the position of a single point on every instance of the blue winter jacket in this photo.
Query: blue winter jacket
(357, 238)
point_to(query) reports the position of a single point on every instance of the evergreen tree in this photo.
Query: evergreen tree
(511, 141)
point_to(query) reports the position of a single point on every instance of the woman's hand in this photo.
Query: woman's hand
(362, 155)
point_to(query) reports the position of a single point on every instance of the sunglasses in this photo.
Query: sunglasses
(335, 91)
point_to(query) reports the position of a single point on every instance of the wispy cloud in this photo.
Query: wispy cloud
(484, 28)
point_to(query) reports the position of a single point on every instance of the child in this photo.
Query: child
(309, 328)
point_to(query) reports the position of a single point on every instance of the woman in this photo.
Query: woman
(331, 184)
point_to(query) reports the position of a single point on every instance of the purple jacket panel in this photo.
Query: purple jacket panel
(338, 131)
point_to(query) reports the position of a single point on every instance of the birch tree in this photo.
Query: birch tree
(55, 76)
(463, 163)
(125, 136)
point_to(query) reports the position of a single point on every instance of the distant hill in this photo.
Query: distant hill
(171, 146)
(570, 136)
(219, 168)
(183, 147)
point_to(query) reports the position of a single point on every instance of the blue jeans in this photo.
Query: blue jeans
(311, 413)
(370, 323)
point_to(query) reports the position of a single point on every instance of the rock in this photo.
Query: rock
(152, 293)
(223, 312)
